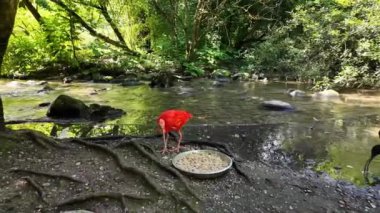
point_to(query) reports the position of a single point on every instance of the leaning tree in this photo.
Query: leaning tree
(7, 17)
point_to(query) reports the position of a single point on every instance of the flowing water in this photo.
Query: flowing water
(334, 137)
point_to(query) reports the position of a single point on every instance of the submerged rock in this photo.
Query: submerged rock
(102, 112)
(277, 105)
(44, 104)
(131, 82)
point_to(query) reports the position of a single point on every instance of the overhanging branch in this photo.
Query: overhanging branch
(92, 31)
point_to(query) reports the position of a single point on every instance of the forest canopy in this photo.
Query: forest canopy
(334, 42)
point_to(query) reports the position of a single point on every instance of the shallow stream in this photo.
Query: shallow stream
(334, 137)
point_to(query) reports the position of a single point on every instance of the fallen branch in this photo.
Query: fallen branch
(49, 120)
(47, 174)
(36, 187)
(120, 163)
(166, 168)
(98, 195)
(119, 137)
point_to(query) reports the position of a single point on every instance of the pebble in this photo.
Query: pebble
(237, 197)
(77, 163)
(46, 184)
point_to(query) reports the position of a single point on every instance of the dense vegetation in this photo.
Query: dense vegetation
(334, 42)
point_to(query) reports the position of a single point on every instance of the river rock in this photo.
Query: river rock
(240, 76)
(296, 93)
(326, 95)
(162, 79)
(45, 89)
(131, 82)
(67, 107)
(277, 105)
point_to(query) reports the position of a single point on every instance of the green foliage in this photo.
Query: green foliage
(34, 46)
(221, 73)
(193, 69)
(336, 42)
(323, 84)
(338, 39)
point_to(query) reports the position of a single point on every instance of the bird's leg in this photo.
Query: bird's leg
(365, 172)
(165, 137)
(179, 141)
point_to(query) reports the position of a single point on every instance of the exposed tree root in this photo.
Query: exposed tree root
(47, 174)
(149, 148)
(7, 134)
(178, 197)
(36, 187)
(120, 163)
(166, 168)
(98, 195)
(41, 139)
(240, 171)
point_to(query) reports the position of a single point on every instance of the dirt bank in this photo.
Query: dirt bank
(114, 176)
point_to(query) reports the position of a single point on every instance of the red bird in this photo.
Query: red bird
(172, 120)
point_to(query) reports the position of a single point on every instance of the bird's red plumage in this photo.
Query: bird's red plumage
(174, 119)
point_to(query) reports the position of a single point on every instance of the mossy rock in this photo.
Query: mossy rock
(66, 107)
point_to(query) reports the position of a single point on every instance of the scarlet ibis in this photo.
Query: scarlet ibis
(172, 120)
(374, 152)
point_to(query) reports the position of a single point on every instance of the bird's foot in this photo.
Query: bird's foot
(175, 149)
(164, 150)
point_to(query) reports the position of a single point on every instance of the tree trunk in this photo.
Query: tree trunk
(7, 16)
(2, 125)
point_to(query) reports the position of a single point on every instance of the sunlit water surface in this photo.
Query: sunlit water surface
(334, 137)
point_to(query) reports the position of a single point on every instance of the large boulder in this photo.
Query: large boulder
(65, 107)
(326, 95)
(277, 105)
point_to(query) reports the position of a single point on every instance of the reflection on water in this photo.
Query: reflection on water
(335, 137)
